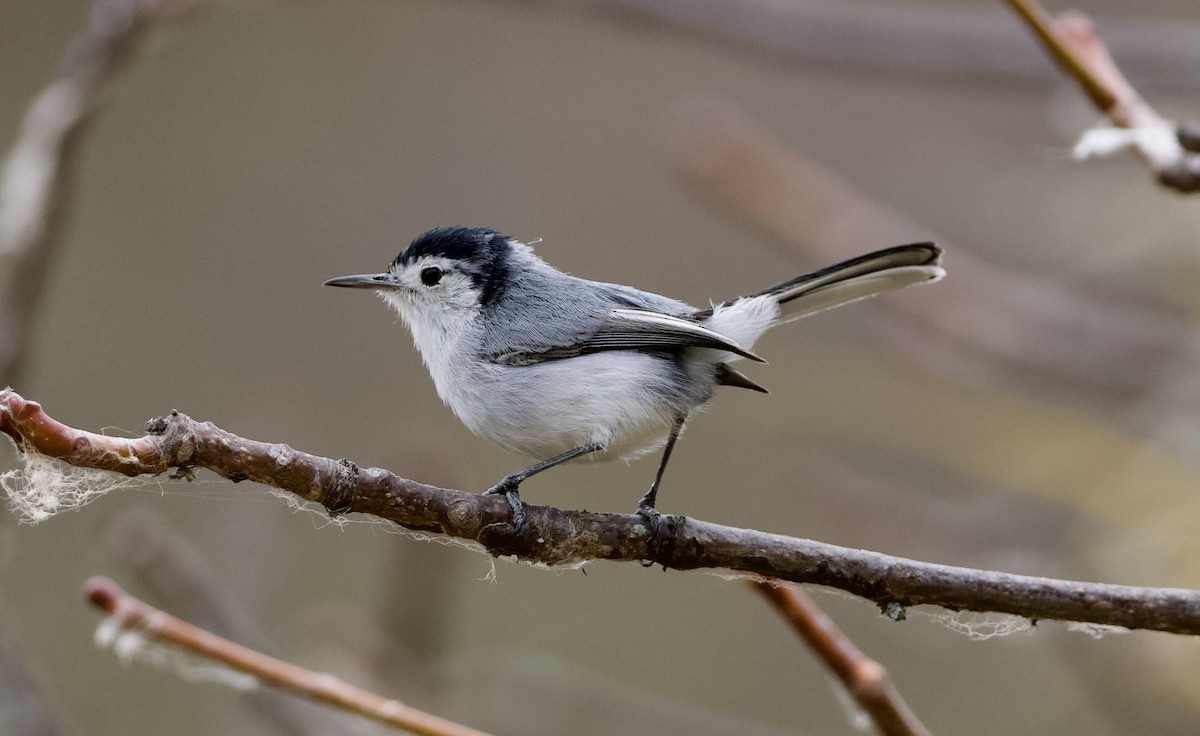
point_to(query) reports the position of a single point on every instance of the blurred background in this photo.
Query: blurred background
(1036, 412)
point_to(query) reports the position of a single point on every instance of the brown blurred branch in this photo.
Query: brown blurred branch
(1101, 93)
(982, 318)
(35, 192)
(36, 184)
(175, 571)
(135, 615)
(554, 536)
(865, 679)
(1072, 41)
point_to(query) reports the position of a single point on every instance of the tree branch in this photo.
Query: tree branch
(554, 536)
(36, 180)
(174, 571)
(136, 615)
(1072, 41)
(865, 679)
(985, 316)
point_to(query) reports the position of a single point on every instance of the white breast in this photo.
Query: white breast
(623, 399)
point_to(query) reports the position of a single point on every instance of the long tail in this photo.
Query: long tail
(857, 278)
(833, 286)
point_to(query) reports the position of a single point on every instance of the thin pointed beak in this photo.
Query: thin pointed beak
(382, 281)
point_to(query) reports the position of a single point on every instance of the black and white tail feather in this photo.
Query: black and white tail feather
(857, 278)
(833, 286)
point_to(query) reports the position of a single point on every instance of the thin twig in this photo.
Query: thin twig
(985, 315)
(1042, 25)
(553, 536)
(865, 679)
(136, 615)
(36, 180)
(167, 564)
(35, 192)
(1072, 41)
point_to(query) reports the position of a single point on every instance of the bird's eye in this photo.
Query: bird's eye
(431, 275)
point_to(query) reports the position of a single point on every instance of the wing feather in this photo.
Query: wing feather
(637, 329)
(634, 329)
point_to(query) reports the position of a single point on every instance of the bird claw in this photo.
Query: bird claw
(508, 489)
(654, 519)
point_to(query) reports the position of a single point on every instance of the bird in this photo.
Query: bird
(558, 367)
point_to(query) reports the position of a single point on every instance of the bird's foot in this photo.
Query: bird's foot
(508, 489)
(654, 519)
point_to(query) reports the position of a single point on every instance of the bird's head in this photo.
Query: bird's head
(445, 269)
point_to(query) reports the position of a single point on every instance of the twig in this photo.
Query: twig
(177, 573)
(35, 191)
(1072, 41)
(554, 536)
(983, 315)
(1043, 27)
(36, 181)
(136, 615)
(865, 679)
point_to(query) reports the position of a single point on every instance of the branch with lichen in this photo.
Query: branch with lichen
(553, 536)
(1071, 40)
(133, 615)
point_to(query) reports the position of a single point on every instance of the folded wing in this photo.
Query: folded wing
(635, 329)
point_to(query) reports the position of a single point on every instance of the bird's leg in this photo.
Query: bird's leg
(508, 485)
(645, 507)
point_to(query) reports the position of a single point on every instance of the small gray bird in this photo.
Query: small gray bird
(558, 367)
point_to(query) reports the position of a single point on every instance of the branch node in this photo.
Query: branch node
(1189, 136)
(185, 473)
(894, 610)
(1182, 175)
(465, 515)
(870, 680)
(102, 593)
(339, 499)
(671, 537)
(179, 439)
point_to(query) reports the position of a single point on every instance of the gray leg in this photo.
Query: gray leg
(508, 485)
(645, 507)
